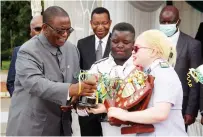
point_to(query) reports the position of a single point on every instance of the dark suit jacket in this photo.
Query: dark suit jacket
(90, 125)
(188, 56)
(87, 51)
(12, 72)
(199, 36)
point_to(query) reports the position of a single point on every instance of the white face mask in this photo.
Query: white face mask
(168, 29)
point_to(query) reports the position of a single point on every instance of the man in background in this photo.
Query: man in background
(188, 56)
(35, 29)
(118, 65)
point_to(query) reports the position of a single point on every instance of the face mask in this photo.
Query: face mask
(168, 29)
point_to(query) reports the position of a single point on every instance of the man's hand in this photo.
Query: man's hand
(87, 88)
(66, 108)
(189, 119)
(73, 100)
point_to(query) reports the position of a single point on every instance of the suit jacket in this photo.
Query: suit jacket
(86, 47)
(188, 56)
(41, 87)
(90, 125)
(12, 72)
(199, 35)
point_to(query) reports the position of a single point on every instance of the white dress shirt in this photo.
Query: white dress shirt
(174, 38)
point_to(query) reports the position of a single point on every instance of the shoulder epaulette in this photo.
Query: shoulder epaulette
(163, 64)
(101, 60)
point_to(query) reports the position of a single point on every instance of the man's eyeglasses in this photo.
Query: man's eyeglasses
(61, 32)
(38, 29)
(136, 48)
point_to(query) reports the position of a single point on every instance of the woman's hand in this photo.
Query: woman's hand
(117, 113)
(99, 109)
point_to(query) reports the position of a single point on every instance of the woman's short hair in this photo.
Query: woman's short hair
(158, 40)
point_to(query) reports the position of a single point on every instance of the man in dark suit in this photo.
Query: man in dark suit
(199, 36)
(188, 56)
(35, 28)
(93, 48)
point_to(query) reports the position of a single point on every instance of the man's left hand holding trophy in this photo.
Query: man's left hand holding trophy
(86, 88)
(87, 100)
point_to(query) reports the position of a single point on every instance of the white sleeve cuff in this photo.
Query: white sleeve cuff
(82, 112)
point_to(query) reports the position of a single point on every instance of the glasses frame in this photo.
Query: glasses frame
(136, 48)
(61, 32)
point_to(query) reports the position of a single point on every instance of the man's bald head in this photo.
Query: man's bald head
(36, 25)
(54, 11)
(169, 15)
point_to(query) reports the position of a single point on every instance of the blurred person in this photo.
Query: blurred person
(35, 29)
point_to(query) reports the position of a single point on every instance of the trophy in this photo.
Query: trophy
(87, 101)
(104, 82)
(132, 94)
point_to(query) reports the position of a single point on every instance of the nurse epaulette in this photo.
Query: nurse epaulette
(101, 60)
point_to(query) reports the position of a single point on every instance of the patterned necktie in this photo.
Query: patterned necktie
(59, 60)
(99, 51)
(59, 56)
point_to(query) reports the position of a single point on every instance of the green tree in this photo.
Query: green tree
(15, 21)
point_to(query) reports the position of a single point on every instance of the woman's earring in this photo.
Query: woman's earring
(170, 55)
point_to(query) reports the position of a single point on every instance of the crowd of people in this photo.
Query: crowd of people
(42, 78)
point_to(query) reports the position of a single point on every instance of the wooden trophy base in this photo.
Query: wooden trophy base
(137, 128)
(133, 127)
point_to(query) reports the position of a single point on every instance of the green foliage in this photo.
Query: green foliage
(15, 21)
(5, 65)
